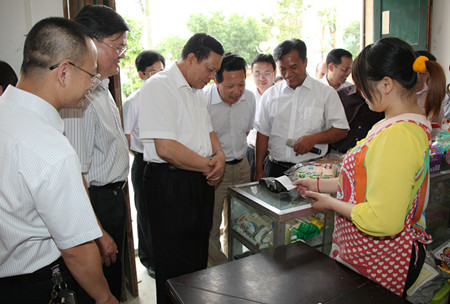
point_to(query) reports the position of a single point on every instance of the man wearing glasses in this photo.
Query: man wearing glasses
(263, 73)
(339, 65)
(96, 133)
(148, 63)
(46, 218)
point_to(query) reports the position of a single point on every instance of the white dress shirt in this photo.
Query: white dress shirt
(231, 123)
(172, 109)
(251, 137)
(44, 206)
(290, 114)
(97, 135)
(131, 122)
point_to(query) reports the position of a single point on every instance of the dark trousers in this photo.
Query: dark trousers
(109, 206)
(250, 153)
(180, 210)
(35, 287)
(145, 247)
(274, 168)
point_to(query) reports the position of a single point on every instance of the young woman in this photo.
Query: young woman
(382, 191)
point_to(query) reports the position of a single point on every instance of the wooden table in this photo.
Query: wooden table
(295, 273)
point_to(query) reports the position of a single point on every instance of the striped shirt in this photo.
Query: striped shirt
(43, 203)
(231, 123)
(97, 135)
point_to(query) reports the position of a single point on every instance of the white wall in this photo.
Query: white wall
(16, 19)
(440, 34)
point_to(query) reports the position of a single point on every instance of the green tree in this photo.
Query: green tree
(352, 38)
(327, 18)
(238, 34)
(131, 82)
(171, 47)
(288, 18)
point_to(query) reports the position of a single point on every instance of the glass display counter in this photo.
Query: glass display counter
(259, 219)
(438, 210)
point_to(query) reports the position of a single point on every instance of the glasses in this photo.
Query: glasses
(346, 70)
(120, 50)
(264, 74)
(95, 78)
(153, 72)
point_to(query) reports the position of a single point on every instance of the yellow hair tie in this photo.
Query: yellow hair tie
(419, 64)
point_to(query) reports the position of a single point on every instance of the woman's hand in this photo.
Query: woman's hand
(305, 184)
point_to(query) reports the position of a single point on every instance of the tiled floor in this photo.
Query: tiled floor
(146, 284)
(146, 287)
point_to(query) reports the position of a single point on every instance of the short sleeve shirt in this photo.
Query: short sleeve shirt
(44, 206)
(290, 114)
(231, 123)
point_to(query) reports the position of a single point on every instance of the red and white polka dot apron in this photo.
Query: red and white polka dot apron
(384, 260)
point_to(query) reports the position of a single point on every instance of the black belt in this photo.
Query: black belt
(234, 161)
(45, 273)
(111, 186)
(162, 165)
(286, 165)
(137, 153)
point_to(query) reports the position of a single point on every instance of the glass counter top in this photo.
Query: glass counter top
(280, 203)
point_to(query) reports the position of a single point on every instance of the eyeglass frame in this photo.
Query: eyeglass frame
(95, 78)
(120, 51)
(264, 74)
(346, 70)
(152, 72)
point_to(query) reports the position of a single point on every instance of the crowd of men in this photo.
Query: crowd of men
(65, 161)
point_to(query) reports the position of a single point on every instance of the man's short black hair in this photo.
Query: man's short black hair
(101, 21)
(201, 45)
(264, 58)
(52, 40)
(7, 75)
(231, 62)
(335, 56)
(287, 46)
(148, 58)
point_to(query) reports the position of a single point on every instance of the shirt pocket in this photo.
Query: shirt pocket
(313, 120)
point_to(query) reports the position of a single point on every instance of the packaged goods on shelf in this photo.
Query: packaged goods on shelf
(255, 228)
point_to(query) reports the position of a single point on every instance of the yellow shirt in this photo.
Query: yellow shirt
(393, 159)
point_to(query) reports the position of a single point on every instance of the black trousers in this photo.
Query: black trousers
(145, 247)
(180, 209)
(109, 206)
(35, 287)
(275, 169)
(250, 153)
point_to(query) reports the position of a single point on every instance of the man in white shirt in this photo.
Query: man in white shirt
(46, 218)
(339, 67)
(148, 63)
(96, 134)
(263, 73)
(185, 160)
(232, 111)
(297, 115)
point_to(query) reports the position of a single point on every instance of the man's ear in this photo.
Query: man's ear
(141, 75)
(331, 67)
(215, 81)
(191, 58)
(63, 73)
